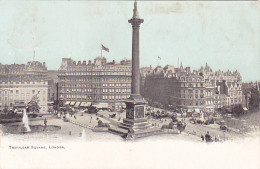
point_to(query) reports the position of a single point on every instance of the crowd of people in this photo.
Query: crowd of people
(208, 138)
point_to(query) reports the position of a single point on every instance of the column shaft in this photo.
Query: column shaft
(135, 61)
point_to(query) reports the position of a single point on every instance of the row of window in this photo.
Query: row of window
(192, 85)
(21, 92)
(96, 85)
(191, 91)
(192, 96)
(10, 99)
(116, 90)
(71, 79)
(235, 93)
(116, 84)
(100, 73)
(193, 79)
(96, 70)
(23, 82)
(118, 97)
(190, 103)
(89, 97)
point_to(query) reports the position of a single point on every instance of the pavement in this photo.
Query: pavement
(88, 121)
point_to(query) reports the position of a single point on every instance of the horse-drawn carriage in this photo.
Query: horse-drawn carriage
(177, 124)
(112, 115)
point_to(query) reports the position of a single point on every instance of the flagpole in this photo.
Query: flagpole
(101, 50)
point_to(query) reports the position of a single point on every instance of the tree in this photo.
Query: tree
(33, 104)
(237, 110)
(254, 100)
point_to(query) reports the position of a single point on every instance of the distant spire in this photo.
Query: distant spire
(257, 86)
(33, 55)
(136, 14)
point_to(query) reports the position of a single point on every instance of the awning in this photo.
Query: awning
(123, 105)
(197, 110)
(67, 103)
(244, 108)
(85, 104)
(77, 104)
(190, 110)
(72, 103)
(101, 105)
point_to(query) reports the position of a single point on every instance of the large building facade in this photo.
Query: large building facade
(83, 83)
(20, 82)
(189, 90)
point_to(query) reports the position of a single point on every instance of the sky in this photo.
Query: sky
(226, 35)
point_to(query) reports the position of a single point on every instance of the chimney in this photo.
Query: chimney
(84, 62)
(89, 62)
(188, 69)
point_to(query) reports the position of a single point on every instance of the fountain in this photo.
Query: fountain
(25, 128)
(83, 135)
(26, 122)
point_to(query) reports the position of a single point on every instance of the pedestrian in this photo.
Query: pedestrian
(45, 124)
(75, 117)
(202, 137)
(216, 139)
(208, 137)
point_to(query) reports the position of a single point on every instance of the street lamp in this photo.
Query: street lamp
(8, 94)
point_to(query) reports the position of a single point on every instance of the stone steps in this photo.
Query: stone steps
(118, 130)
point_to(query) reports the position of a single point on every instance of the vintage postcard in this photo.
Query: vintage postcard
(129, 84)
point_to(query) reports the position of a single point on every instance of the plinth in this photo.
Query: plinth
(135, 125)
(135, 111)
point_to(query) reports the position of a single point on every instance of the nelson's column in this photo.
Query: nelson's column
(135, 124)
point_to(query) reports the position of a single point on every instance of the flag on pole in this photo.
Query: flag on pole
(159, 57)
(104, 48)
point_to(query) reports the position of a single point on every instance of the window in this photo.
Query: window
(17, 91)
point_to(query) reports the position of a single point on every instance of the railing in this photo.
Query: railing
(80, 124)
